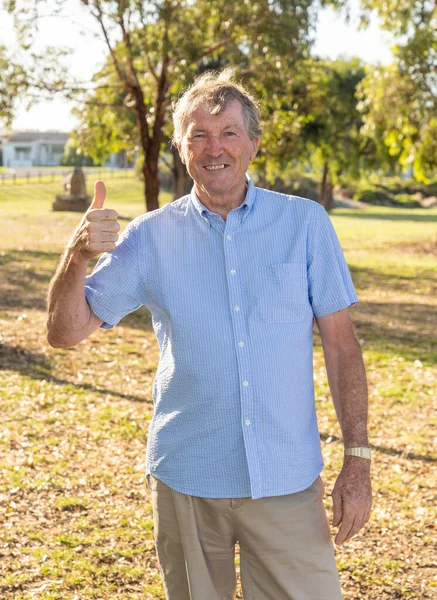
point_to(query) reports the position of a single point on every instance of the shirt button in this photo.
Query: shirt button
(229, 237)
(233, 272)
(245, 383)
(247, 422)
(241, 344)
(237, 308)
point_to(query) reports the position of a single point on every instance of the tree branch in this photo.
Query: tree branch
(99, 18)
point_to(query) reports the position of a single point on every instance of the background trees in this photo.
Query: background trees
(13, 82)
(400, 101)
(158, 46)
(338, 118)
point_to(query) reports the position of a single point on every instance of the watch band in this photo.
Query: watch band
(359, 451)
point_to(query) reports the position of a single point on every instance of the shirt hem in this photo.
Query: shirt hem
(268, 493)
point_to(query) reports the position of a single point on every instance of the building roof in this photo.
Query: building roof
(56, 137)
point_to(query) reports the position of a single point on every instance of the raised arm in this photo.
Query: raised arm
(352, 494)
(70, 319)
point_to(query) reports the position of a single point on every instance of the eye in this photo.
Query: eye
(229, 133)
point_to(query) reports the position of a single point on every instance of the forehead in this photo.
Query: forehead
(201, 117)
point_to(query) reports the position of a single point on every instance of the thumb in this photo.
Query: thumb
(99, 195)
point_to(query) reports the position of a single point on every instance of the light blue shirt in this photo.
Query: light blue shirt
(232, 306)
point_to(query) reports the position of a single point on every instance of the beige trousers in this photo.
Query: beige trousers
(286, 551)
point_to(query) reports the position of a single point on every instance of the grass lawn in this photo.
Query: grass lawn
(75, 514)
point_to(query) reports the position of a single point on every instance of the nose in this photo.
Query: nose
(214, 146)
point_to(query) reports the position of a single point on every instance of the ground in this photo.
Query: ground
(75, 512)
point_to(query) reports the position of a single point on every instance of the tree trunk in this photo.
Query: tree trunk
(181, 179)
(151, 183)
(326, 196)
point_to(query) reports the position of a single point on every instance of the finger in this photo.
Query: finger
(111, 226)
(99, 195)
(345, 527)
(367, 516)
(102, 214)
(107, 246)
(102, 226)
(356, 528)
(109, 237)
(96, 239)
(338, 509)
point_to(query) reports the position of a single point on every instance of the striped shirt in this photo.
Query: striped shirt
(232, 306)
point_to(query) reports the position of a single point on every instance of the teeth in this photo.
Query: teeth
(214, 167)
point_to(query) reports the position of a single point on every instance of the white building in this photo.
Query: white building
(34, 149)
(44, 149)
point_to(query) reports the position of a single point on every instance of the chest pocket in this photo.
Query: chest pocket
(282, 294)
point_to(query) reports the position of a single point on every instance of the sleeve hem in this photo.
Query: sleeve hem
(326, 309)
(100, 311)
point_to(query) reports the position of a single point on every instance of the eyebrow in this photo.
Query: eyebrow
(229, 126)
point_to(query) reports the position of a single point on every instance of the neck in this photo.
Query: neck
(222, 204)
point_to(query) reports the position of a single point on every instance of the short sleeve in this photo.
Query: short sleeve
(330, 286)
(114, 288)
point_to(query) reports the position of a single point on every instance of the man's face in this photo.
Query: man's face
(217, 149)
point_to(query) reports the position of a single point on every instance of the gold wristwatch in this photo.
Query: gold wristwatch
(359, 451)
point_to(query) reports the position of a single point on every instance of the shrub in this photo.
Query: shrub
(374, 196)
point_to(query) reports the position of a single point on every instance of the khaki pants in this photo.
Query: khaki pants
(286, 552)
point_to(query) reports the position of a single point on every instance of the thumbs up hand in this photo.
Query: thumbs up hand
(97, 231)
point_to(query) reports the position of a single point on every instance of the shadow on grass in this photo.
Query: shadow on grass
(400, 329)
(390, 451)
(365, 277)
(25, 278)
(36, 366)
(410, 216)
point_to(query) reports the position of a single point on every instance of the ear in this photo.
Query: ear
(255, 143)
(181, 153)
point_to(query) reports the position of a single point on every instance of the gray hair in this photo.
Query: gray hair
(214, 89)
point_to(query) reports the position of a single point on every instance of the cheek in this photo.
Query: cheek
(191, 153)
(191, 156)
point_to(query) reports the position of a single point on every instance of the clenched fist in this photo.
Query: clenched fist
(98, 230)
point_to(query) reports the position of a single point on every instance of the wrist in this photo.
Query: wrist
(76, 257)
(358, 454)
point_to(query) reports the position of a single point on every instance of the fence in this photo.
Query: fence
(46, 176)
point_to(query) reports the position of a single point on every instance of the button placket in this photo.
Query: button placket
(240, 334)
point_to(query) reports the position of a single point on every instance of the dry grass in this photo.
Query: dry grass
(75, 511)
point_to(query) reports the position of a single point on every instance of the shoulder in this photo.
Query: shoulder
(156, 218)
(294, 205)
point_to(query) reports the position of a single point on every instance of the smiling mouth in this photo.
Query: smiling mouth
(215, 167)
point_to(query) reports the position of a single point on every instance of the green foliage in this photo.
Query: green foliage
(399, 102)
(74, 157)
(156, 48)
(373, 196)
(314, 120)
(13, 83)
(382, 196)
(401, 117)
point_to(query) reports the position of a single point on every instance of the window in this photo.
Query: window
(22, 152)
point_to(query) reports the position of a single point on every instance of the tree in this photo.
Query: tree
(106, 124)
(399, 102)
(74, 157)
(157, 46)
(13, 83)
(317, 122)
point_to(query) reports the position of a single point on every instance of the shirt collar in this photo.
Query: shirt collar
(245, 206)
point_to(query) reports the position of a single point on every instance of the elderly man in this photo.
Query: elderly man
(234, 277)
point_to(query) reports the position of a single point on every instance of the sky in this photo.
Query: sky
(334, 37)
